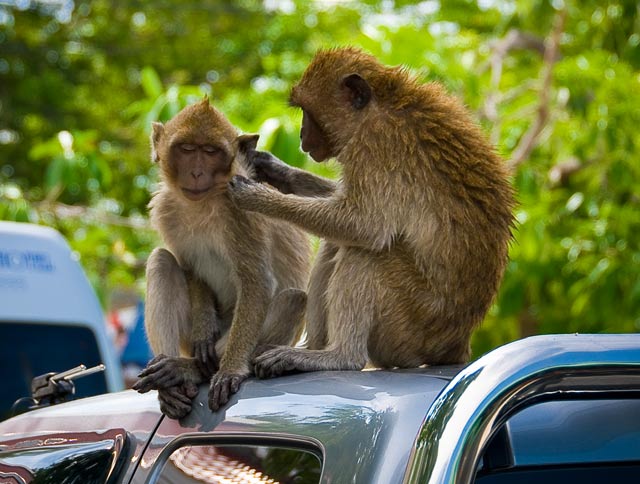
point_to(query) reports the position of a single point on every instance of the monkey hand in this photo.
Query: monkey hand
(247, 194)
(167, 371)
(270, 169)
(204, 351)
(175, 402)
(223, 385)
(204, 337)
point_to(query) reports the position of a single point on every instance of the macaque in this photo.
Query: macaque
(416, 232)
(229, 281)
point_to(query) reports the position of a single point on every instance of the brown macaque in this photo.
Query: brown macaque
(415, 234)
(229, 281)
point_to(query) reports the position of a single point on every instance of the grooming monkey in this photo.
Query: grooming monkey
(416, 233)
(229, 280)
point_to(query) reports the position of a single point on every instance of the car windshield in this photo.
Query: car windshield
(28, 350)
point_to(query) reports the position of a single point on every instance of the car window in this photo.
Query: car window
(29, 350)
(567, 441)
(246, 464)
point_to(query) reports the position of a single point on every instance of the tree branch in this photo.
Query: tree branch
(530, 139)
(61, 210)
(513, 40)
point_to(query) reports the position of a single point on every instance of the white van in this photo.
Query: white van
(50, 317)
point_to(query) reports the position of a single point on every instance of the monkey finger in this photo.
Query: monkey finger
(158, 367)
(235, 384)
(222, 387)
(212, 358)
(142, 386)
(146, 372)
(156, 359)
(190, 389)
(173, 395)
(261, 349)
(146, 383)
(266, 159)
(173, 404)
(273, 363)
(237, 181)
(175, 412)
(169, 380)
(215, 395)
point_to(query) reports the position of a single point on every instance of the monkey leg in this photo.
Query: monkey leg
(205, 325)
(167, 305)
(284, 319)
(417, 322)
(351, 306)
(317, 296)
(251, 308)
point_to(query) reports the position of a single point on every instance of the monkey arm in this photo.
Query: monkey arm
(332, 218)
(205, 325)
(255, 285)
(288, 179)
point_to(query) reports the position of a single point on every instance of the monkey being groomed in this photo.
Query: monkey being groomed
(416, 232)
(229, 281)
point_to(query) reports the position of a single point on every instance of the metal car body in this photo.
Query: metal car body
(554, 408)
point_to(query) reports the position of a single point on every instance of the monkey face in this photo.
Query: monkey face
(332, 98)
(196, 151)
(313, 139)
(199, 169)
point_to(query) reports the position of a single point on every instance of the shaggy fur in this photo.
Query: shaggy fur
(225, 275)
(416, 232)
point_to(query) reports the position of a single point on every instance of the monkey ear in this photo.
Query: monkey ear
(157, 130)
(358, 89)
(248, 142)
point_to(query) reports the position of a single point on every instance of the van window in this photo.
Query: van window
(28, 350)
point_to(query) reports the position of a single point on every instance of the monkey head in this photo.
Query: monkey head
(197, 150)
(335, 93)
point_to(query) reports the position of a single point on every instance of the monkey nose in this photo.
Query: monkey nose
(196, 174)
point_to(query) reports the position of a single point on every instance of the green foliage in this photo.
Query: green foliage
(80, 84)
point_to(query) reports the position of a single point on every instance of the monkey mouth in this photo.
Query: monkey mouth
(195, 194)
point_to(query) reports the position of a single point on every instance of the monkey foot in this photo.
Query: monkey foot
(165, 372)
(175, 402)
(223, 385)
(277, 361)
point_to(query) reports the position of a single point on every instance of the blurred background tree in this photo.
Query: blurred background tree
(556, 84)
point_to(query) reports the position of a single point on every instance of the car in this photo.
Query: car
(553, 408)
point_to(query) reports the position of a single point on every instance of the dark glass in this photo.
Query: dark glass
(557, 442)
(249, 464)
(87, 463)
(28, 350)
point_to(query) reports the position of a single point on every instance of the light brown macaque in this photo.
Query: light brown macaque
(229, 281)
(415, 234)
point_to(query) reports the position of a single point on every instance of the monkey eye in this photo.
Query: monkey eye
(187, 147)
(210, 149)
